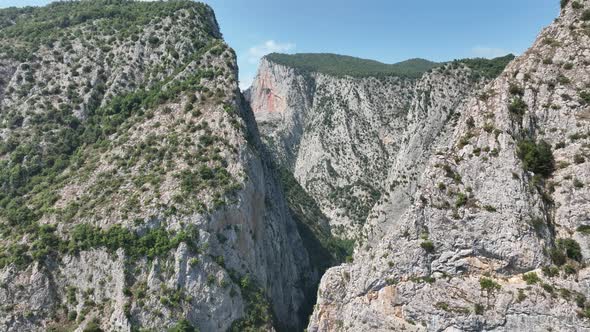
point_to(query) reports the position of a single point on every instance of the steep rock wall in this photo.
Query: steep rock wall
(162, 207)
(487, 243)
(339, 136)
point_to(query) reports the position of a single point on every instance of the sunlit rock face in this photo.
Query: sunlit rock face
(135, 193)
(341, 136)
(494, 236)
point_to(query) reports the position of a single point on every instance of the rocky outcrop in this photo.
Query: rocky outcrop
(494, 235)
(136, 193)
(340, 135)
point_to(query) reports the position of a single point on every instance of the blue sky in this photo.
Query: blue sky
(385, 30)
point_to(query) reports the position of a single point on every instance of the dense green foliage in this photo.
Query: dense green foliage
(584, 97)
(489, 285)
(341, 65)
(488, 68)
(428, 246)
(258, 314)
(566, 249)
(152, 243)
(183, 326)
(584, 229)
(517, 107)
(37, 26)
(531, 278)
(536, 157)
(571, 248)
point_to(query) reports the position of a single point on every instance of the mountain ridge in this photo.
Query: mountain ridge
(341, 65)
(135, 194)
(344, 65)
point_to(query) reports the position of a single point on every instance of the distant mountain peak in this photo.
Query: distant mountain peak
(344, 65)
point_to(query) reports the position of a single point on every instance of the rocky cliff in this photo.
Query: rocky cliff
(340, 134)
(495, 234)
(136, 193)
(139, 194)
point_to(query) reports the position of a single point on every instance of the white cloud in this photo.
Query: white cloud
(246, 82)
(249, 59)
(270, 46)
(489, 52)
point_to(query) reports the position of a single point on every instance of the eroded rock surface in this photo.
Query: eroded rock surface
(492, 240)
(339, 136)
(135, 191)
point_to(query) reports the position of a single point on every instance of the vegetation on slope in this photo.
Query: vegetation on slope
(488, 68)
(536, 157)
(342, 65)
(154, 243)
(324, 249)
(51, 146)
(258, 315)
(34, 27)
(35, 153)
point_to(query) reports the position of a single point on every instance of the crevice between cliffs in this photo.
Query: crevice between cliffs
(324, 250)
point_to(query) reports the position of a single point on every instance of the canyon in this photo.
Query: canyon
(143, 191)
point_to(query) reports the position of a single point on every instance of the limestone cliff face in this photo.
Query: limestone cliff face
(140, 190)
(340, 135)
(135, 191)
(495, 235)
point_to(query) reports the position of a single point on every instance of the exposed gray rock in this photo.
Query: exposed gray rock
(340, 135)
(455, 258)
(141, 180)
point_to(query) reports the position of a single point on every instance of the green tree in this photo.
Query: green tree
(489, 285)
(536, 157)
(93, 326)
(571, 248)
(183, 326)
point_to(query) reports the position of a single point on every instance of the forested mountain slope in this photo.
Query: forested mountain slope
(135, 191)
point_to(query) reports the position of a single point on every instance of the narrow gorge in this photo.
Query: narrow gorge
(143, 191)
